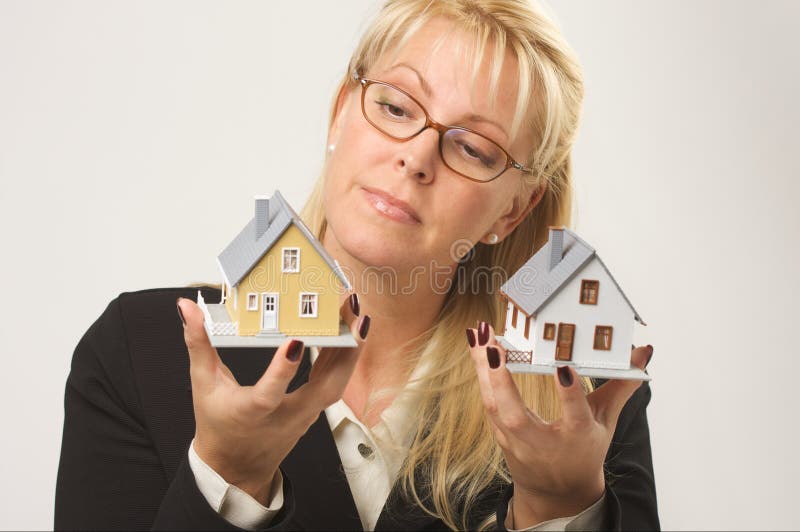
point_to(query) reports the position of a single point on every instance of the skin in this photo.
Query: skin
(450, 207)
(244, 433)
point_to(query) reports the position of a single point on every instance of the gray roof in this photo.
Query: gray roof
(534, 284)
(244, 251)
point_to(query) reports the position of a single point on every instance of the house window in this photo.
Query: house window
(527, 327)
(308, 305)
(252, 301)
(589, 292)
(514, 317)
(602, 337)
(549, 331)
(291, 259)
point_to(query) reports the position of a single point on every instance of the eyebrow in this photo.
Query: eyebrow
(426, 88)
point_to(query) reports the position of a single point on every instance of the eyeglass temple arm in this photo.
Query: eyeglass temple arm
(515, 164)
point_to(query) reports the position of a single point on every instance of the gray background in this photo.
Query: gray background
(133, 136)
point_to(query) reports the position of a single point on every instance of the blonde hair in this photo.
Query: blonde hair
(453, 457)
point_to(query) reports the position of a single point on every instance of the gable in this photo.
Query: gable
(535, 283)
(245, 250)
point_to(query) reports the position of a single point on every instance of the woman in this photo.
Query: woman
(443, 433)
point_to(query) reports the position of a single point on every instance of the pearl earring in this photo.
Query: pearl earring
(493, 238)
(331, 147)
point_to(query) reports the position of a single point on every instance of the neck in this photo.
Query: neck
(403, 303)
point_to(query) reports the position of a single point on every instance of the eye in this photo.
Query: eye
(474, 153)
(391, 110)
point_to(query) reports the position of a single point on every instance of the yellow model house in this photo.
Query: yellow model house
(278, 281)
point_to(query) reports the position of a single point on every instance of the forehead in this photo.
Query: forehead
(466, 76)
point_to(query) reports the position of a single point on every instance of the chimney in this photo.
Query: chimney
(262, 215)
(556, 239)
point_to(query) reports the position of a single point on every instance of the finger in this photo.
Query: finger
(478, 355)
(485, 333)
(332, 369)
(329, 377)
(511, 415)
(575, 409)
(608, 400)
(350, 310)
(270, 390)
(203, 357)
(351, 307)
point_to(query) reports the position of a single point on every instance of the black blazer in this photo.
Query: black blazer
(129, 422)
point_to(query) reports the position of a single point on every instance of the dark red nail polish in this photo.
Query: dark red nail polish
(483, 333)
(471, 338)
(564, 376)
(294, 350)
(493, 356)
(649, 354)
(354, 306)
(180, 312)
(363, 329)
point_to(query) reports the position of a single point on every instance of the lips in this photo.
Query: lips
(391, 207)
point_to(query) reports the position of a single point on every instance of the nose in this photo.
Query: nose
(417, 156)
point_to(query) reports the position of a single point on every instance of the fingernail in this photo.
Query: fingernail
(483, 333)
(363, 329)
(354, 306)
(471, 338)
(649, 354)
(493, 356)
(294, 350)
(564, 376)
(180, 312)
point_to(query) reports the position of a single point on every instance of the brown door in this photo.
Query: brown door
(566, 332)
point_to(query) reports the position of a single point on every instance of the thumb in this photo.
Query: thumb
(203, 357)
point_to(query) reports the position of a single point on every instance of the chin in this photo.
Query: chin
(376, 247)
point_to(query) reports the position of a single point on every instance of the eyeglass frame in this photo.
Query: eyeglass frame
(436, 126)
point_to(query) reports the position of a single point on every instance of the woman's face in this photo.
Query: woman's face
(369, 174)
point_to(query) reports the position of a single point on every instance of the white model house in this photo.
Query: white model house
(565, 308)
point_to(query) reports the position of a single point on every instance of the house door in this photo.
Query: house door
(566, 332)
(269, 312)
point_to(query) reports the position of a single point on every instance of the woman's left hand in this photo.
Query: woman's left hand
(557, 467)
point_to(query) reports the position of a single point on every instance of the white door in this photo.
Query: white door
(269, 312)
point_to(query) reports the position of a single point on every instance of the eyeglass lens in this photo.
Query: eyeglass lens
(397, 115)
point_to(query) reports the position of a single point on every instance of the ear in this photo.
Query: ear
(517, 212)
(342, 101)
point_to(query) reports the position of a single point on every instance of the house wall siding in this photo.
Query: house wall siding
(566, 307)
(314, 276)
(516, 335)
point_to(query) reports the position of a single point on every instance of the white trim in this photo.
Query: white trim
(315, 305)
(224, 276)
(283, 259)
(254, 296)
(226, 282)
(340, 272)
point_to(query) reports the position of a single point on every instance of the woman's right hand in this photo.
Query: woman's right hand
(245, 432)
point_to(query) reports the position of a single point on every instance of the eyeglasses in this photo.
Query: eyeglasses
(398, 115)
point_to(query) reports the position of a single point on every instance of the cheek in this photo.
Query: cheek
(465, 212)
